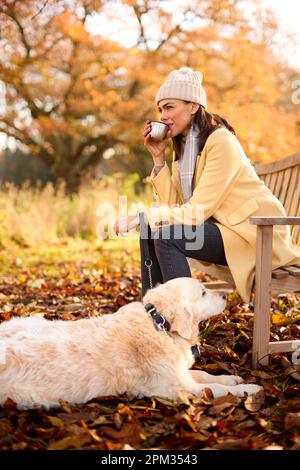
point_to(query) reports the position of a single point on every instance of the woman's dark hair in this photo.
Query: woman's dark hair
(207, 123)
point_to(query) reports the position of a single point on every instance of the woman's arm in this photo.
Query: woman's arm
(163, 186)
(224, 161)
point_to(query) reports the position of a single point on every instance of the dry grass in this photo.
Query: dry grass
(33, 216)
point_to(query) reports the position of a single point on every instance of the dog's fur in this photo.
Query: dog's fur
(44, 361)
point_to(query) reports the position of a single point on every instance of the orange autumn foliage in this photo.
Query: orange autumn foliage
(71, 91)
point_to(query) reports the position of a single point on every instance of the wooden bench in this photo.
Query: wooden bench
(283, 179)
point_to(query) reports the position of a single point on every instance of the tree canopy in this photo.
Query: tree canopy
(72, 93)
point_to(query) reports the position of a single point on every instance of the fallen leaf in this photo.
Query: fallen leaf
(75, 442)
(292, 420)
(279, 319)
(36, 283)
(57, 422)
(229, 352)
(129, 433)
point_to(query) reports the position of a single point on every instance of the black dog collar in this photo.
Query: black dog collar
(159, 321)
(162, 324)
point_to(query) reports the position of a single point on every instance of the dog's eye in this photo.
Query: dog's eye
(203, 293)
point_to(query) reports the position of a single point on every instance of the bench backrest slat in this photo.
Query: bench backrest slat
(282, 177)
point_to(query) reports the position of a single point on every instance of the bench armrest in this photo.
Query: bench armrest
(266, 220)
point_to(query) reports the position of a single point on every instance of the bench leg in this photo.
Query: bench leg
(263, 279)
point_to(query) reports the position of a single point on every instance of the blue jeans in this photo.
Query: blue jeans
(164, 251)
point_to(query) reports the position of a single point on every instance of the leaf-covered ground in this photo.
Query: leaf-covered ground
(71, 281)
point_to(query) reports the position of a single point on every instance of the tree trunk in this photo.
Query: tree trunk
(72, 181)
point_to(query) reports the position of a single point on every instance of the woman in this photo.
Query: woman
(211, 174)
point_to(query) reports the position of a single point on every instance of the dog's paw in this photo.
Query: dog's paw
(237, 379)
(230, 380)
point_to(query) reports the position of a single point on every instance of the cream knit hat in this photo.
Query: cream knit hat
(183, 84)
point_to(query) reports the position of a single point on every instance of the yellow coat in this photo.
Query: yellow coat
(228, 189)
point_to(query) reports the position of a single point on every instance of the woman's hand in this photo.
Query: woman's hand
(124, 224)
(156, 148)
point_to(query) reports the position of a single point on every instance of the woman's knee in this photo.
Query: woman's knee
(164, 237)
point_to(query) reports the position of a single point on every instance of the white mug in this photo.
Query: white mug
(159, 130)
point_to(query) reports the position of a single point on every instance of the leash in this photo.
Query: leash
(145, 230)
(160, 322)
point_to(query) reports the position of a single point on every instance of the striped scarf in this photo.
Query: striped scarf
(187, 161)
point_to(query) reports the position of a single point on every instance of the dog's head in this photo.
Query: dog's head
(184, 302)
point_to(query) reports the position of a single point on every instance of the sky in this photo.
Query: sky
(286, 11)
(288, 15)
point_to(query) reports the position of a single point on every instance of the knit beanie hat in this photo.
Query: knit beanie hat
(183, 84)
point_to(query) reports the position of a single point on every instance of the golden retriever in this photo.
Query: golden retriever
(42, 362)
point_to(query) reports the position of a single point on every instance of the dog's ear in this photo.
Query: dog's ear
(182, 323)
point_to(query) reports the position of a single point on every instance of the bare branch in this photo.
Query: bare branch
(25, 139)
(178, 27)
(139, 13)
(175, 30)
(14, 17)
(45, 51)
(40, 10)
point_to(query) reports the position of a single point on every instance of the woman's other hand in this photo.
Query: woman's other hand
(124, 224)
(156, 148)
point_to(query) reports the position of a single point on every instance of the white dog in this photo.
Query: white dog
(44, 361)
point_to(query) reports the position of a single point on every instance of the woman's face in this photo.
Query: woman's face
(177, 114)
